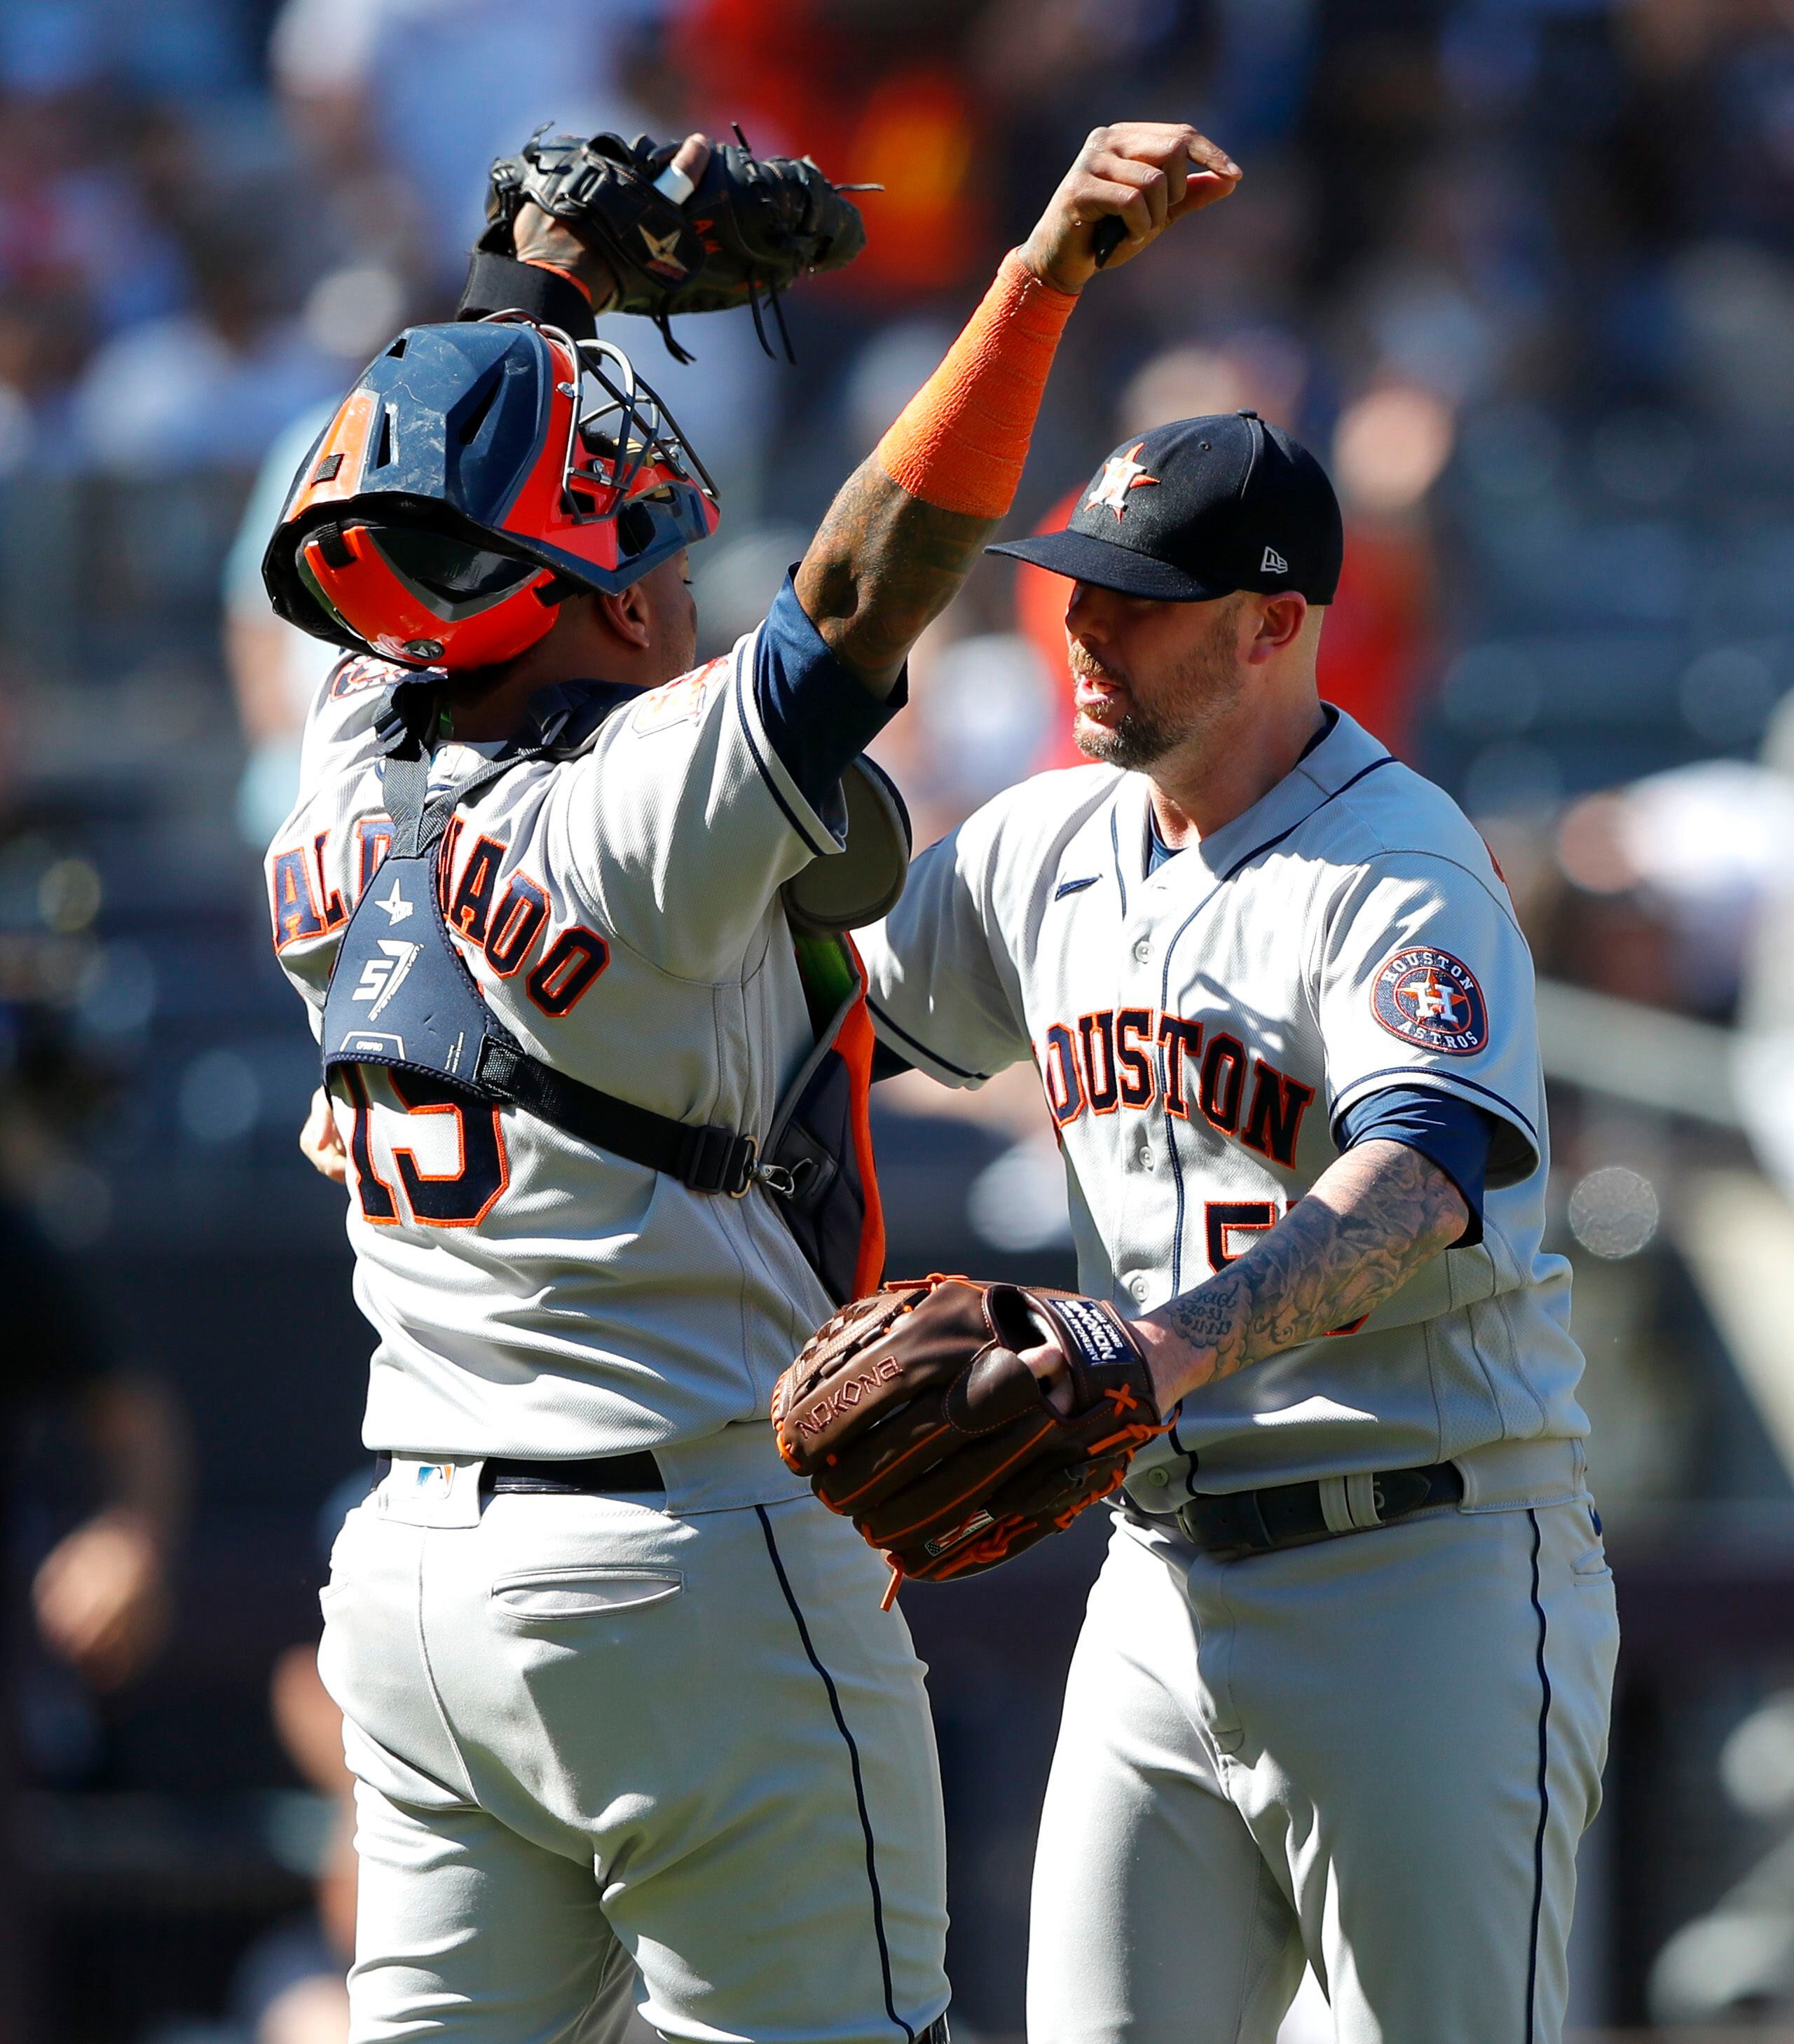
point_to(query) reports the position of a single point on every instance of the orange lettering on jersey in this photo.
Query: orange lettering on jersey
(1060, 1076)
(1095, 1037)
(1223, 1075)
(297, 914)
(373, 840)
(1106, 1061)
(516, 925)
(675, 702)
(569, 966)
(507, 932)
(1275, 1115)
(471, 910)
(1180, 1038)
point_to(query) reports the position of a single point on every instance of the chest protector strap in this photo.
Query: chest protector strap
(400, 995)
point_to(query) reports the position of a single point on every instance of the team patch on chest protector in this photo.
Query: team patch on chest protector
(1431, 999)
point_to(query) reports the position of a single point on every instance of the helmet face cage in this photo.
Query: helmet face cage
(376, 553)
(620, 427)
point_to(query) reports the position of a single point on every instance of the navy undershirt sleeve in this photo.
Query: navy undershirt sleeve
(1447, 1131)
(819, 715)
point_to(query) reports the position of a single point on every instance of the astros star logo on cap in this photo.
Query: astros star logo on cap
(1121, 473)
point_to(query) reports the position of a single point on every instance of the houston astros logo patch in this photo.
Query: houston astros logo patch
(1431, 999)
(1121, 473)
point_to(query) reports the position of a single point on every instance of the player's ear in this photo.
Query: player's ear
(1280, 619)
(628, 614)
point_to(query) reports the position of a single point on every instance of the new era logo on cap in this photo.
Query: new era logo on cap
(1273, 563)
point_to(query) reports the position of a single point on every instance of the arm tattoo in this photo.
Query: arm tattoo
(1374, 1217)
(882, 565)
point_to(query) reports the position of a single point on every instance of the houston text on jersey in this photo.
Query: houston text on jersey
(1107, 1060)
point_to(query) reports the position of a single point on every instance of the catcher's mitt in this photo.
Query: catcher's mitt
(913, 1412)
(752, 225)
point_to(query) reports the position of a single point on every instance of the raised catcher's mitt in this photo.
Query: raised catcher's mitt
(913, 1412)
(752, 225)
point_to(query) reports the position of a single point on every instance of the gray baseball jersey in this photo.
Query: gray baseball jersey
(620, 912)
(1199, 1032)
(530, 1838)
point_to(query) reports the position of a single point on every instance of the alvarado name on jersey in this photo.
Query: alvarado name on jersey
(506, 929)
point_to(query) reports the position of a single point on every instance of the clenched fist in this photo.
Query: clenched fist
(1147, 173)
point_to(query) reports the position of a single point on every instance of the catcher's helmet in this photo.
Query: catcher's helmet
(476, 476)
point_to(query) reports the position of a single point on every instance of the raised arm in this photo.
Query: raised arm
(1372, 1218)
(902, 534)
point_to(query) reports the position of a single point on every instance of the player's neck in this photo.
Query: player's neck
(491, 703)
(1200, 788)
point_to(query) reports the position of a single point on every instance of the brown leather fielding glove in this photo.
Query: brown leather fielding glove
(912, 1413)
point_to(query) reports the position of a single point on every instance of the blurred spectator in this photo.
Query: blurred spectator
(1389, 449)
(875, 94)
(101, 1597)
(1765, 1054)
(206, 388)
(1689, 862)
(290, 1986)
(431, 91)
(274, 669)
(980, 716)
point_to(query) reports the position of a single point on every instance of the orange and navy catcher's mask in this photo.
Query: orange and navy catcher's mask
(476, 476)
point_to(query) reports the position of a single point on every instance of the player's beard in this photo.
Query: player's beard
(1194, 698)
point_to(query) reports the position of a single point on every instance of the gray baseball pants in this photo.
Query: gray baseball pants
(1375, 1754)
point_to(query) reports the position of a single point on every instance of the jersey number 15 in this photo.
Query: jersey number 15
(448, 1164)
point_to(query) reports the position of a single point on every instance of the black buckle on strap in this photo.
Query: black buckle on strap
(720, 1161)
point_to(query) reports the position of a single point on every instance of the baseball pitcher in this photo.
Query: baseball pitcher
(1342, 1693)
(566, 911)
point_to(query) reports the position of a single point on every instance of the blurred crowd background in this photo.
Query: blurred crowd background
(1521, 271)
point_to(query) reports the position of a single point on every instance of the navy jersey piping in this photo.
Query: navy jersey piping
(1258, 851)
(915, 1043)
(785, 810)
(1544, 1797)
(1238, 865)
(1115, 839)
(859, 1784)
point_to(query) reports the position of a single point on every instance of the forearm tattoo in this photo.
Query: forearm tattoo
(1374, 1218)
(882, 567)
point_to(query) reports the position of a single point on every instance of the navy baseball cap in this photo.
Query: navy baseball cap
(1198, 509)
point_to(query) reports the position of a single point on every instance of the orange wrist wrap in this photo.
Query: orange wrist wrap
(960, 442)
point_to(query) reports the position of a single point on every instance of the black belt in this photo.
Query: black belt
(599, 1476)
(1294, 1515)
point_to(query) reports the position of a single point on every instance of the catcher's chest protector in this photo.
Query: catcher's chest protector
(401, 998)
